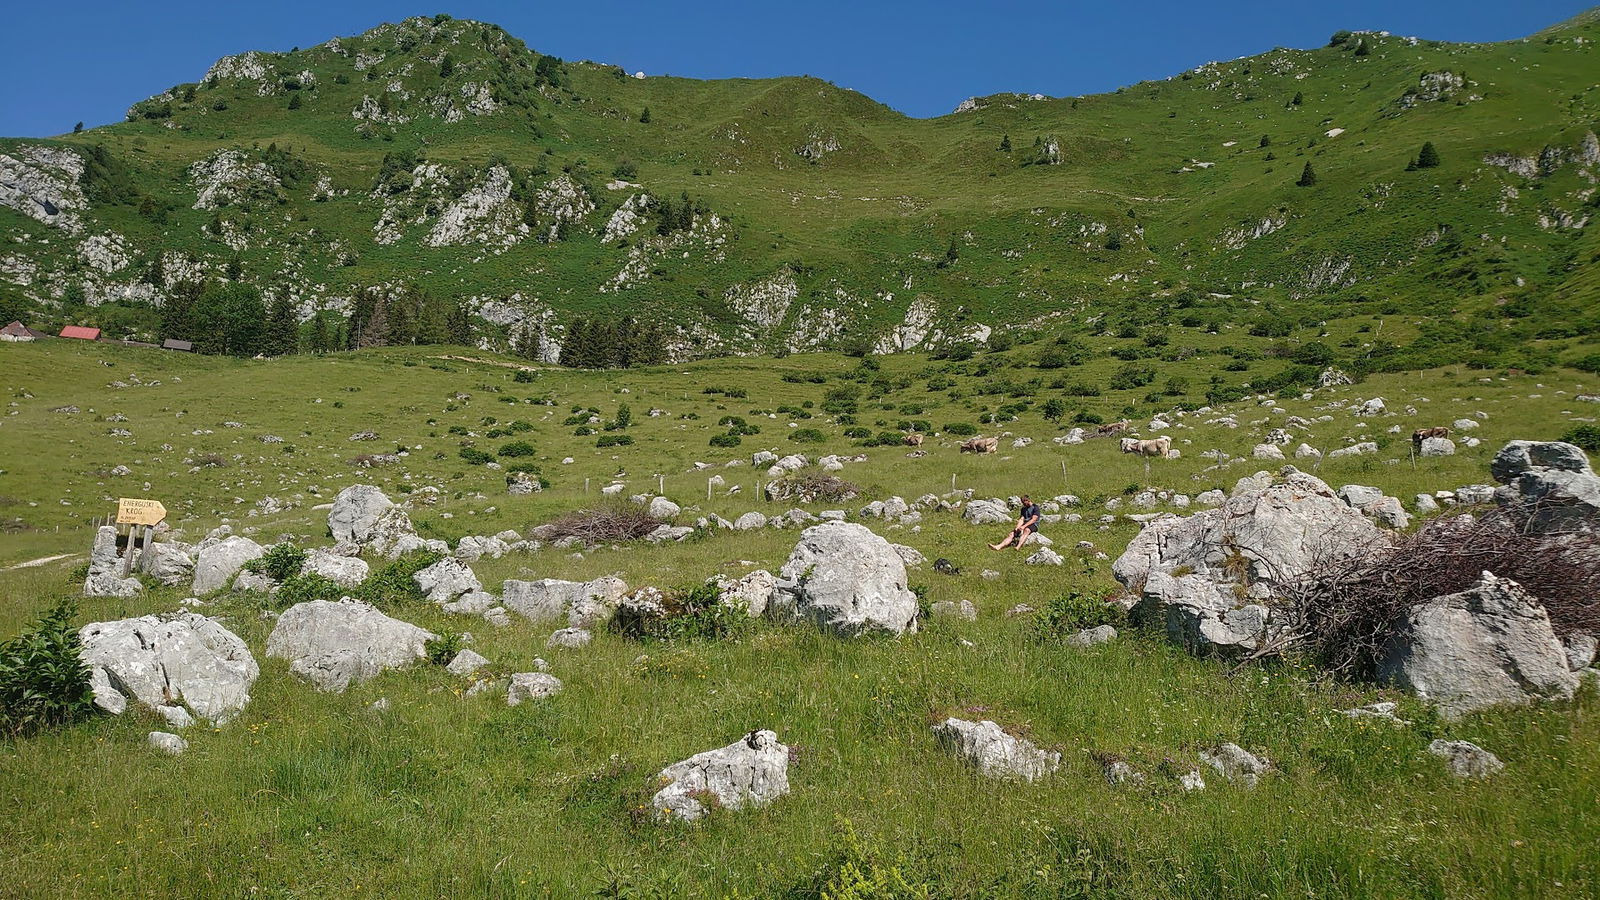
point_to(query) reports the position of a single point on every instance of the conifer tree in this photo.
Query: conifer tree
(1428, 157)
(1308, 176)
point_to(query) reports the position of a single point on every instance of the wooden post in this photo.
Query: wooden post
(708, 489)
(1063, 471)
(127, 555)
(146, 558)
(586, 485)
(953, 480)
(661, 485)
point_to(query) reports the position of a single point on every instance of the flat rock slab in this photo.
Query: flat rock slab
(334, 644)
(995, 753)
(752, 771)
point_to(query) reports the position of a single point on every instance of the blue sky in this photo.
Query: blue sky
(91, 59)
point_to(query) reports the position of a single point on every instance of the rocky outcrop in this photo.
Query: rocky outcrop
(995, 753)
(231, 178)
(583, 604)
(42, 183)
(446, 580)
(752, 593)
(217, 564)
(526, 686)
(184, 661)
(1548, 487)
(484, 215)
(847, 579)
(105, 568)
(1205, 576)
(986, 512)
(1489, 645)
(752, 771)
(356, 511)
(334, 644)
(345, 571)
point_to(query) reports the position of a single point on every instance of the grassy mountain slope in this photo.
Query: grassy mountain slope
(828, 218)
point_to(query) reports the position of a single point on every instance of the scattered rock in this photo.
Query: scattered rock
(163, 662)
(1466, 759)
(217, 564)
(1044, 556)
(1381, 710)
(986, 512)
(752, 771)
(531, 686)
(334, 644)
(167, 742)
(583, 604)
(1437, 446)
(105, 568)
(446, 580)
(995, 753)
(847, 579)
(1088, 637)
(467, 662)
(1236, 764)
(345, 571)
(355, 511)
(752, 593)
(569, 639)
(1491, 644)
(1548, 487)
(950, 609)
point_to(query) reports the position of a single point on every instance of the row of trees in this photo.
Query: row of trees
(613, 344)
(384, 316)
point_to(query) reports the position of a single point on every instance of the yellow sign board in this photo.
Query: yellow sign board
(131, 511)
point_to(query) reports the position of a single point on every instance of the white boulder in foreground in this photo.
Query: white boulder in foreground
(335, 644)
(171, 664)
(752, 771)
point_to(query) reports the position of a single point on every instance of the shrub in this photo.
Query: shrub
(518, 449)
(442, 649)
(725, 440)
(859, 871)
(613, 440)
(280, 562)
(474, 456)
(857, 431)
(807, 436)
(393, 585)
(305, 587)
(688, 614)
(522, 376)
(961, 429)
(1132, 376)
(613, 520)
(1586, 437)
(43, 681)
(1068, 614)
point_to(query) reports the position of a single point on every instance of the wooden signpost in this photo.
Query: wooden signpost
(139, 514)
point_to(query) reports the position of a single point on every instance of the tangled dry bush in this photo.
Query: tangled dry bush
(611, 521)
(810, 485)
(1345, 611)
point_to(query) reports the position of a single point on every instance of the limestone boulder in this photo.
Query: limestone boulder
(993, 752)
(345, 571)
(750, 772)
(187, 662)
(1489, 645)
(105, 568)
(216, 565)
(583, 604)
(1547, 487)
(446, 580)
(334, 644)
(356, 511)
(847, 579)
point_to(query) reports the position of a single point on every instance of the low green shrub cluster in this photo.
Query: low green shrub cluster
(1068, 614)
(280, 563)
(43, 680)
(393, 585)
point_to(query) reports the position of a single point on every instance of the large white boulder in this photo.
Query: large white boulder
(335, 644)
(217, 564)
(355, 511)
(752, 593)
(446, 580)
(1488, 645)
(995, 753)
(583, 604)
(1548, 487)
(345, 571)
(186, 660)
(848, 579)
(986, 512)
(105, 568)
(169, 562)
(752, 771)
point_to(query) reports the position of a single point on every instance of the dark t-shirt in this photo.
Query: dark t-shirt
(1030, 512)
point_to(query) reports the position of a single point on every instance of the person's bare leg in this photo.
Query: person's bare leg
(1003, 544)
(1023, 539)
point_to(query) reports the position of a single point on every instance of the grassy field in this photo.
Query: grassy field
(310, 795)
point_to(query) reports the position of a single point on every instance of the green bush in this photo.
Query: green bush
(1586, 437)
(305, 587)
(725, 440)
(613, 440)
(475, 457)
(1069, 614)
(279, 563)
(43, 681)
(442, 649)
(393, 585)
(518, 448)
(693, 613)
(807, 436)
(961, 429)
(523, 376)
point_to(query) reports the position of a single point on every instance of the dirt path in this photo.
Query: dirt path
(492, 362)
(43, 560)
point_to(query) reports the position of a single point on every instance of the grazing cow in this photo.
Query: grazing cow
(945, 567)
(980, 445)
(913, 439)
(1160, 447)
(1113, 428)
(1422, 434)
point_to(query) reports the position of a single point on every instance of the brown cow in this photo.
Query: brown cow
(913, 439)
(1160, 447)
(1422, 434)
(980, 445)
(1113, 428)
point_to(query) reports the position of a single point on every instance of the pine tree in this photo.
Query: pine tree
(1266, 141)
(1362, 49)
(78, 128)
(447, 66)
(1428, 158)
(644, 117)
(1299, 98)
(294, 100)
(282, 333)
(1005, 143)
(1308, 176)
(321, 340)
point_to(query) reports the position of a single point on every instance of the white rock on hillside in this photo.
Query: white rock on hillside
(355, 511)
(335, 644)
(1488, 645)
(583, 604)
(231, 178)
(345, 571)
(752, 593)
(531, 686)
(446, 580)
(42, 183)
(1466, 759)
(845, 578)
(185, 660)
(995, 753)
(216, 565)
(1549, 487)
(752, 771)
(105, 568)
(484, 215)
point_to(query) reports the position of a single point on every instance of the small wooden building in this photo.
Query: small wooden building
(17, 333)
(81, 332)
(175, 344)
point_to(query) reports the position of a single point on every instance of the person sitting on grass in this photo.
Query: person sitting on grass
(1027, 526)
